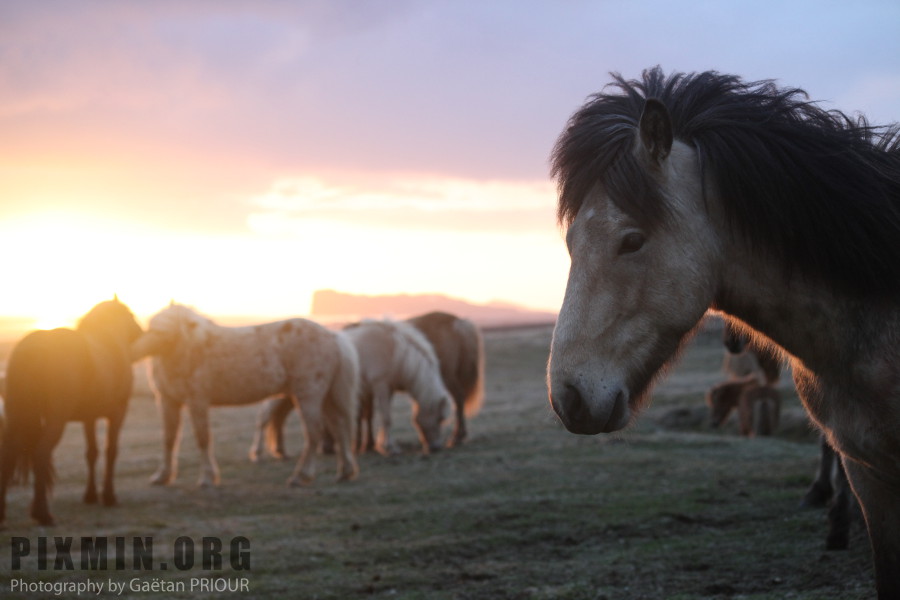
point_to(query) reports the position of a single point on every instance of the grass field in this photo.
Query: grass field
(668, 509)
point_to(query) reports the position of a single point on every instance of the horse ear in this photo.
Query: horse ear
(656, 130)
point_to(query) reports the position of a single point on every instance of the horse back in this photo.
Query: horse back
(376, 349)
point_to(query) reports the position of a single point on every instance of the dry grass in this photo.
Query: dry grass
(668, 509)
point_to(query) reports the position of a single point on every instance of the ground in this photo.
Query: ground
(668, 509)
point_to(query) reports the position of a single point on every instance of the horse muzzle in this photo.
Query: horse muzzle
(149, 343)
(604, 411)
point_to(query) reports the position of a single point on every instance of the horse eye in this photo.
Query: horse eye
(632, 242)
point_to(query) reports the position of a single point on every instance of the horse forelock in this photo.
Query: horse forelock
(596, 149)
(815, 189)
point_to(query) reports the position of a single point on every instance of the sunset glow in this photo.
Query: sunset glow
(300, 236)
(237, 157)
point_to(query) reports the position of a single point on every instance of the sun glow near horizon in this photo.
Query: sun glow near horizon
(479, 242)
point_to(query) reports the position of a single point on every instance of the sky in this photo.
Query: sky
(238, 155)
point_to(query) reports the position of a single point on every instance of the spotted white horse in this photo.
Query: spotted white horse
(199, 364)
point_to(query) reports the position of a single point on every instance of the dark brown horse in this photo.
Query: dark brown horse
(63, 375)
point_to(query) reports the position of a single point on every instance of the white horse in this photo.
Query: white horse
(201, 364)
(693, 192)
(393, 356)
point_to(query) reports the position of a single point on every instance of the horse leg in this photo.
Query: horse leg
(91, 452)
(114, 426)
(209, 473)
(878, 501)
(8, 452)
(170, 410)
(43, 471)
(459, 429)
(365, 441)
(311, 418)
(821, 489)
(270, 428)
(283, 408)
(340, 428)
(745, 414)
(839, 513)
(382, 403)
(263, 422)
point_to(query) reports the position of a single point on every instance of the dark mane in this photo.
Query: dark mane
(816, 189)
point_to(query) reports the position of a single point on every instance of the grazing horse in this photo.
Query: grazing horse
(63, 375)
(393, 356)
(201, 364)
(459, 348)
(758, 406)
(752, 373)
(694, 192)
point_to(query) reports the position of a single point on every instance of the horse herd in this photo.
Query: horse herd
(679, 194)
(333, 378)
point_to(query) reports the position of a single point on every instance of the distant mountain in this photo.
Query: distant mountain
(333, 306)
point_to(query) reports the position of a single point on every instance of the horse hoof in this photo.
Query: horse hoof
(342, 477)
(90, 498)
(456, 440)
(300, 481)
(45, 520)
(161, 479)
(110, 501)
(815, 497)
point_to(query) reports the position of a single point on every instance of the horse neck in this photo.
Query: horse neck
(810, 321)
(419, 375)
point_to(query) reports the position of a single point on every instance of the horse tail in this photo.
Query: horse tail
(341, 401)
(471, 368)
(23, 429)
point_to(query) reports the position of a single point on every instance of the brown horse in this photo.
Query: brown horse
(752, 371)
(460, 352)
(63, 375)
(758, 406)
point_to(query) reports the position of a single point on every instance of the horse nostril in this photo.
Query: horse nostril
(573, 405)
